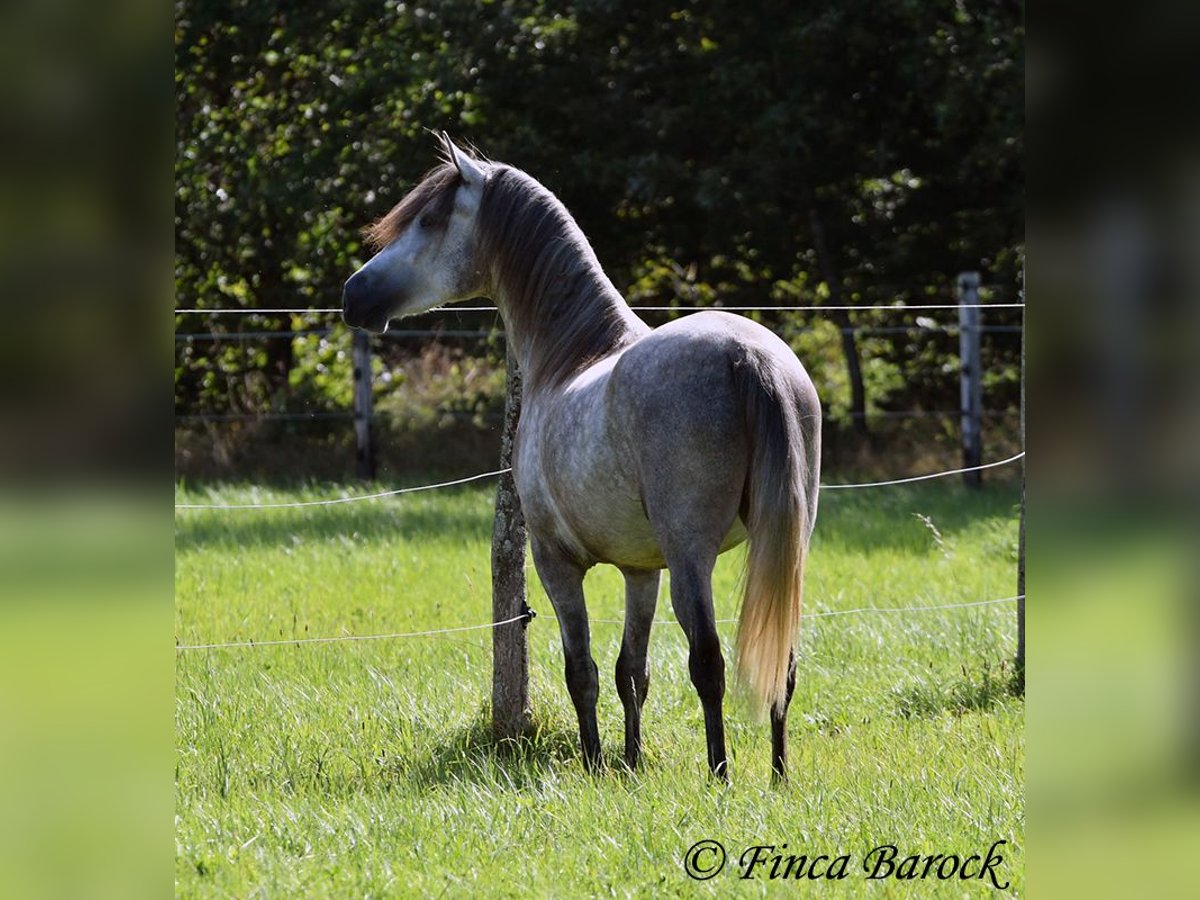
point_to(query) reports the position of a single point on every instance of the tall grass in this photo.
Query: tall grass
(367, 769)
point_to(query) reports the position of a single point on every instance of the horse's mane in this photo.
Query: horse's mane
(436, 185)
(555, 292)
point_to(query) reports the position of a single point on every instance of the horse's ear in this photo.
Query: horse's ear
(467, 167)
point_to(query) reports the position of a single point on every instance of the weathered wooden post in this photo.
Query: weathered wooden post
(363, 403)
(510, 647)
(972, 374)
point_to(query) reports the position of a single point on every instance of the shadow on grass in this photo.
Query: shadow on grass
(973, 692)
(473, 754)
(886, 518)
(862, 520)
(376, 520)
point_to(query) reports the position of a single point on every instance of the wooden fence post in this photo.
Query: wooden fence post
(363, 403)
(972, 373)
(510, 646)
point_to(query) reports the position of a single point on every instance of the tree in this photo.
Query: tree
(845, 153)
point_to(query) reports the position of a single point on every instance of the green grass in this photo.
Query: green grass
(366, 769)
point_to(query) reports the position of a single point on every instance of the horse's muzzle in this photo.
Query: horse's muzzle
(361, 306)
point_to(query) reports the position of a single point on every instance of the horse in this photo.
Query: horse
(641, 448)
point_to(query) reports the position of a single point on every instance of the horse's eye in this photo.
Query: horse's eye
(427, 221)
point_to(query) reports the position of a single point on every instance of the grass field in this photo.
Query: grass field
(365, 769)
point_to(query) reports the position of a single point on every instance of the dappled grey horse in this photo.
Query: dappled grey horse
(644, 448)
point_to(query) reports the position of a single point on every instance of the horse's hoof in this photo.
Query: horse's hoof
(593, 765)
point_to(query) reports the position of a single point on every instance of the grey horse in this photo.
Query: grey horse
(642, 448)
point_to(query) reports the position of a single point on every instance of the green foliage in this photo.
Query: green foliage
(323, 371)
(440, 384)
(699, 145)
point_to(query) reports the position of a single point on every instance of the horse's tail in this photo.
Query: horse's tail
(776, 510)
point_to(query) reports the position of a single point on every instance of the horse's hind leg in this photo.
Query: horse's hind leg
(633, 668)
(779, 725)
(691, 598)
(563, 579)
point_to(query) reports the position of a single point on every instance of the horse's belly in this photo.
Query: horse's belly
(625, 539)
(635, 546)
(619, 535)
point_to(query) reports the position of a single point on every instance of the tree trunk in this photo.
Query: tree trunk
(280, 354)
(858, 394)
(280, 359)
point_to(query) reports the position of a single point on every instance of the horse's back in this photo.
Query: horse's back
(684, 374)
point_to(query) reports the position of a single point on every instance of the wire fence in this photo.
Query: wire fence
(358, 498)
(181, 338)
(326, 310)
(379, 495)
(479, 333)
(391, 334)
(494, 418)
(491, 626)
(426, 334)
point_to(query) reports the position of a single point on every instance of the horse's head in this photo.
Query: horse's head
(425, 248)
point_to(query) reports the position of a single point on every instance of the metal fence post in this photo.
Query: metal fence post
(510, 646)
(1020, 660)
(972, 372)
(363, 403)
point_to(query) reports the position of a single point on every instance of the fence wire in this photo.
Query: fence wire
(429, 487)
(489, 626)
(326, 310)
(337, 500)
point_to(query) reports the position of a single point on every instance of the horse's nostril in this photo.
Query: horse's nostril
(352, 299)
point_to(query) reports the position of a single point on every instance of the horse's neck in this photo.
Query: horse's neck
(555, 340)
(566, 316)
